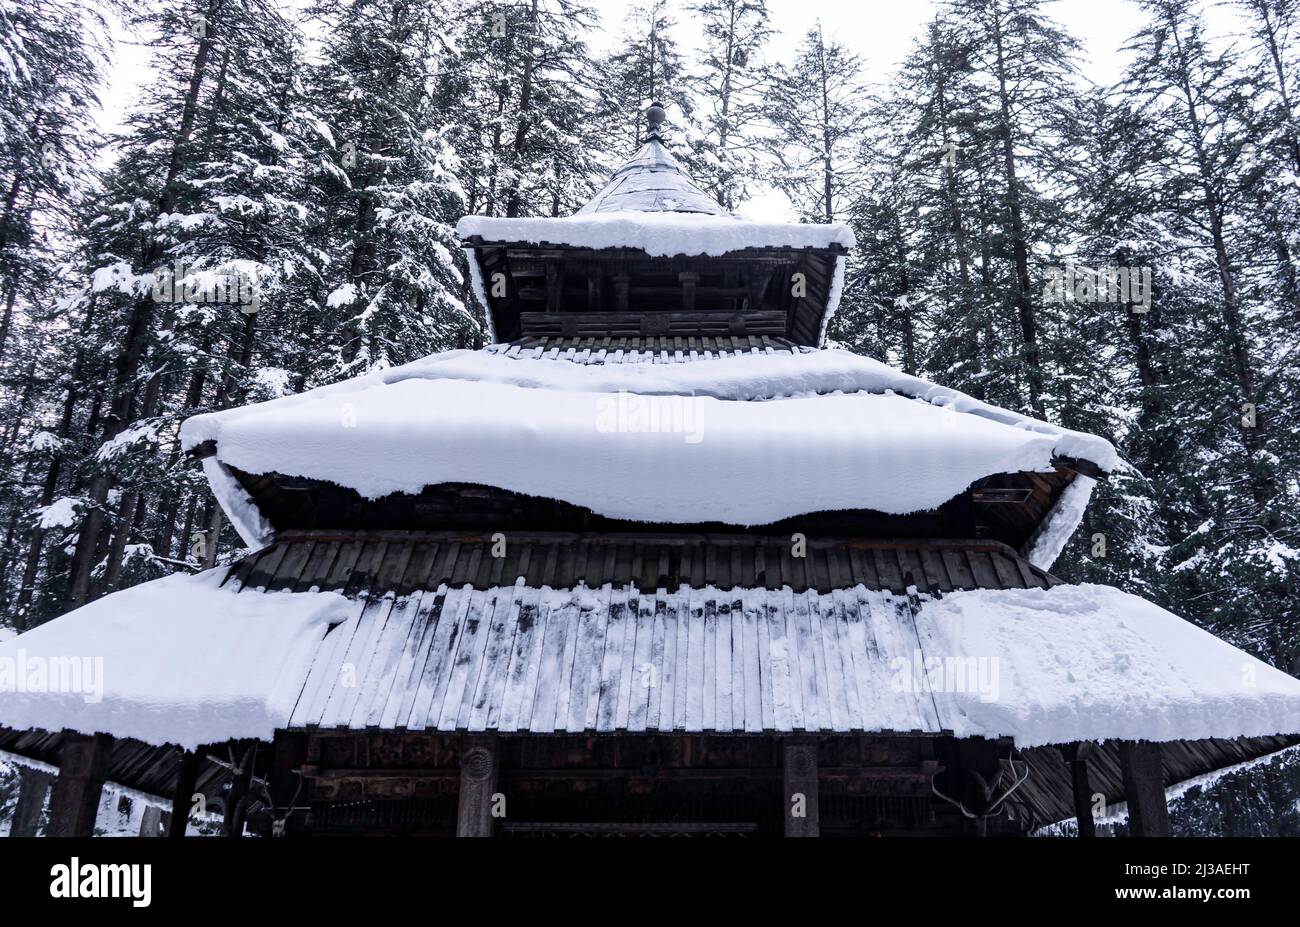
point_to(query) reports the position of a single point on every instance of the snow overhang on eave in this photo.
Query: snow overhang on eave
(661, 234)
(840, 413)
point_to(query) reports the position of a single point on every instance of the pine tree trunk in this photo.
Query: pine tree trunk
(90, 539)
(724, 196)
(513, 200)
(955, 211)
(827, 171)
(117, 547)
(1269, 30)
(11, 293)
(1252, 437)
(1019, 245)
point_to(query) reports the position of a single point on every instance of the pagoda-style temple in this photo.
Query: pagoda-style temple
(655, 562)
(584, 288)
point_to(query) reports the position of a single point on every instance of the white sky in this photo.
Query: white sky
(880, 31)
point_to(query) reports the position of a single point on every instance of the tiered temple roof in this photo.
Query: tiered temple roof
(656, 516)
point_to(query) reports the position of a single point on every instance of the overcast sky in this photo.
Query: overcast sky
(881, 31)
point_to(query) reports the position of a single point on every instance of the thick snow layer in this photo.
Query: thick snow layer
(659, 234)
(1094, 663)
(179, 660)
(1061, 522)
(244, 515)
(671, 443)
(833, 298)
(479, 291)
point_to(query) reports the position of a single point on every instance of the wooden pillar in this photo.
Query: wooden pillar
(151, 822)
(1077, 756)
(799, 771)
(241, 783)
(554, 287)
(595, 279)
(622, 284)
(1144, 786)
(289, 753)
(32, 786)
(478, 782)
(82, 771)
(187, 777)
(730, 280)
(689, 279)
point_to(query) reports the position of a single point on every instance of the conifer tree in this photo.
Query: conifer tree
(730, 86)
(818, 109)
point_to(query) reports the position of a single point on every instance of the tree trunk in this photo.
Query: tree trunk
(513, 199)
(128, 363)
(1019, 246)
(1252, 437)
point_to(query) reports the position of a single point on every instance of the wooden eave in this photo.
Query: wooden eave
(142, 767)
(557, 290)
(1008, 508)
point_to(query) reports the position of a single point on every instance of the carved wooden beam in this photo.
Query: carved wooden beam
(689, 280)
(800, 779)
(478, 783)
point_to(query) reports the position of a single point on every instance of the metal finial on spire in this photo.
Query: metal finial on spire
(656, 116)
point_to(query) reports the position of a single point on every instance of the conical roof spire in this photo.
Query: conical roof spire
(655, 115)
(652, 180)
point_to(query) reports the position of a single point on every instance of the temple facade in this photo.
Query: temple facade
(655, 562)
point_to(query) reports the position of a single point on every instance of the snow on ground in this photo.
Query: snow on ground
(742, 440)
(659, 234)
(1091, 662)
(179, 660)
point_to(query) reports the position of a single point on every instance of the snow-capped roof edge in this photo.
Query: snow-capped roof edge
(245, 517)
(1060, 524)
(832, 298)
(480, 292)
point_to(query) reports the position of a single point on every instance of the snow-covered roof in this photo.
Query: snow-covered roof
(1060, 665)
(651, 203)
(652, 181)
(741, 440)
(181, 660)
(186, 662)
(658, 234)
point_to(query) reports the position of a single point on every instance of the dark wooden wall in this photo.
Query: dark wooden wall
(1006, 508)
(409, 783)
(619, 292)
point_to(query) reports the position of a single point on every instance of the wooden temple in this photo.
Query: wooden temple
(602, 675)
